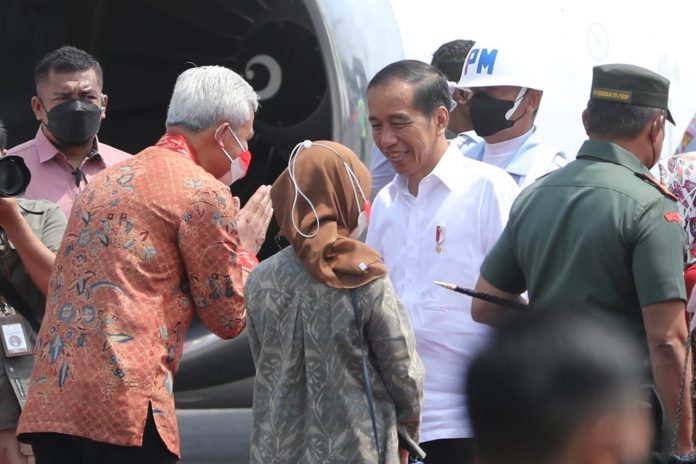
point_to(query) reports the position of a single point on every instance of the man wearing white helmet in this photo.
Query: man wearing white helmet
(504, 97)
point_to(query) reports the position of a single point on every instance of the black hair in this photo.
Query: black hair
(3, 137)
(430, 89)
(67, 59)
(449, 58)
(617, 120)
(542, 376)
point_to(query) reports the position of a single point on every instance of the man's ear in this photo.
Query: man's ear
(105, 100)
(584, 120)
(36, 107)
(219, 132)
(533, 99)
(441, 119)
(657, 126)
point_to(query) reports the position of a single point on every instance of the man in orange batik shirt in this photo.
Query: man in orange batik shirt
(150, 242)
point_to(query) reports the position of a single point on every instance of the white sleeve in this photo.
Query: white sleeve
(499, 195)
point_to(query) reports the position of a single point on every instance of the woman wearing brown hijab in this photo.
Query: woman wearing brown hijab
(310, 399)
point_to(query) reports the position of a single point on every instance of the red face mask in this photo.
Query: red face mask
(238, 166)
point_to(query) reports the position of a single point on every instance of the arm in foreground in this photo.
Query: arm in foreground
(393, 344)
(666, 333)
(216, 265)
(489, 313)
(36, 256)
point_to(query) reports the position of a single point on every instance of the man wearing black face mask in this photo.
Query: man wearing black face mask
(602, 234)
(504, 97)
(70, 106)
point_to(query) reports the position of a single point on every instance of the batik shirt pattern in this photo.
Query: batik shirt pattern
(678, 174)
(150, 242)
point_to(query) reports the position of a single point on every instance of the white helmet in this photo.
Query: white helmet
(490, 65)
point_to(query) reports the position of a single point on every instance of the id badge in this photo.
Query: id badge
(15, 337)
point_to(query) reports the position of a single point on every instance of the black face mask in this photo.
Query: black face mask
(74, 122)
(488, 114)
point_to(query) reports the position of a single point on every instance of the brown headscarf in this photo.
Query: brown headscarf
(330, 256)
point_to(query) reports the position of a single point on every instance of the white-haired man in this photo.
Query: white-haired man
(504, 98)
(151, 242)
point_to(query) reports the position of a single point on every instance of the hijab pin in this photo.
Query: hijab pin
(362, 266)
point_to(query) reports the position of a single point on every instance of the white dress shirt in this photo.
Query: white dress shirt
(470, 202)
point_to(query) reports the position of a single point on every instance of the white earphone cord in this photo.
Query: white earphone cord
(291, 173)
(292, 160)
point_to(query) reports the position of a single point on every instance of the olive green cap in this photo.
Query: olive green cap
(631, 85)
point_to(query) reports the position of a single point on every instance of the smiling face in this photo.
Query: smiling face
(412, 141)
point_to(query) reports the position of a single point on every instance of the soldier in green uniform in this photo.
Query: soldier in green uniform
(601, 234)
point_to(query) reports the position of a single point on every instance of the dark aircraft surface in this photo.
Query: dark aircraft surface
(309, 61)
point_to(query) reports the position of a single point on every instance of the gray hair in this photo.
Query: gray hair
(208, 95)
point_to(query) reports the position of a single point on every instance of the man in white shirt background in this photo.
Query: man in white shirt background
(435, 221)
(505, 92)
(448, 59)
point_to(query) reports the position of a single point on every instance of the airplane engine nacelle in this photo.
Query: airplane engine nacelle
(309, 61)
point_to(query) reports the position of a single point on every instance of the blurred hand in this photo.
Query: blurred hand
(403, 456)
(253, 219)
(9, 211)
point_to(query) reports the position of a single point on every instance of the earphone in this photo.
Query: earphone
(292, 160)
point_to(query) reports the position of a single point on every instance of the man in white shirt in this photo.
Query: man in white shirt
(435, 221)
(504, 97)
(448, 59)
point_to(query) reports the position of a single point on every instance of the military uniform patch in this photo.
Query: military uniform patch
(673, 216)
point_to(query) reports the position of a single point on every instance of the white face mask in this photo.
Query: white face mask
(363, 222)
(238, 166)
(238, 169)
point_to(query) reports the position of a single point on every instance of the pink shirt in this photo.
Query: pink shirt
(53, 178)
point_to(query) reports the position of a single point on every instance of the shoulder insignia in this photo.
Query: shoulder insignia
(655, 183)
(673, 216)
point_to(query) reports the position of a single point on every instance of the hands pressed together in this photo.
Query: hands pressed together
(253, 219)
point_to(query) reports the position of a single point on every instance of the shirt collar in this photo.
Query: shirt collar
(445, 170)
(178, 143)
(47, 151)
(522, 160)
(611, 152)
(466, 138)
